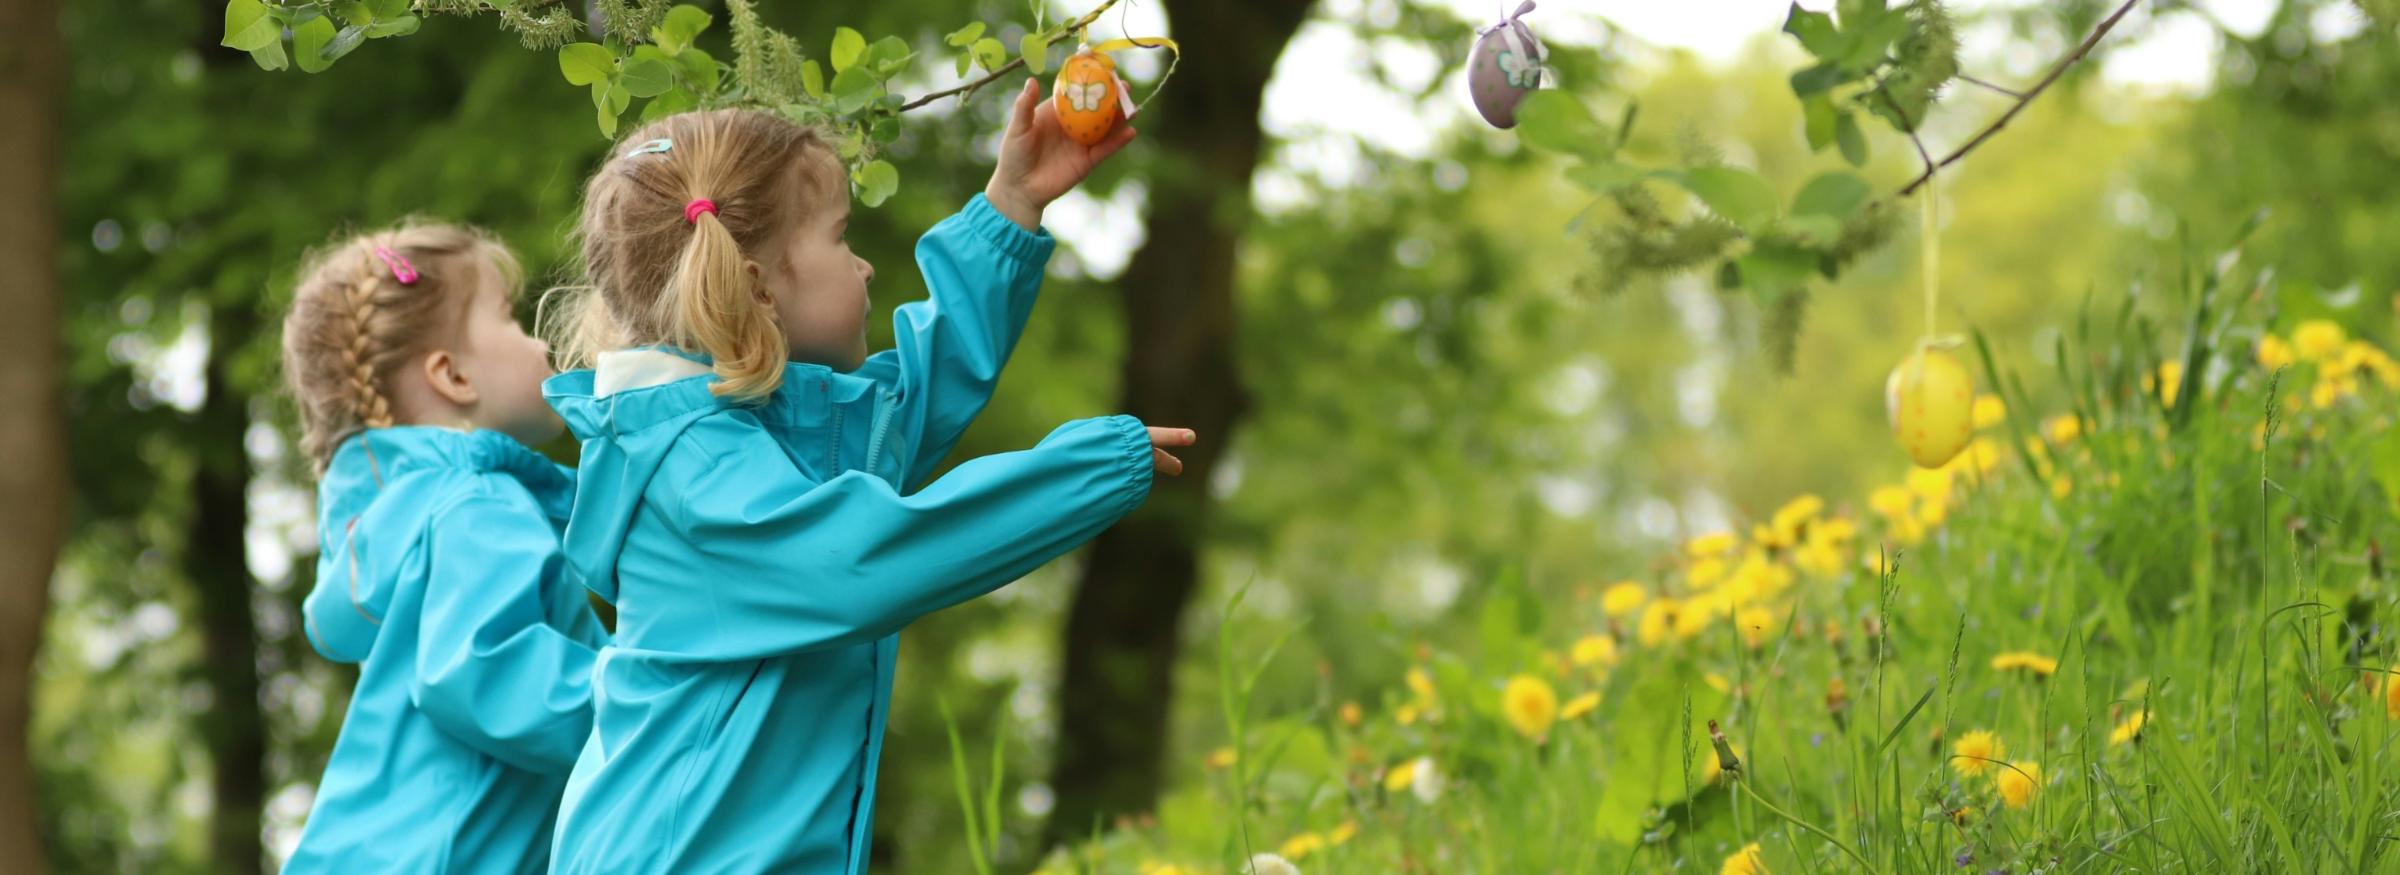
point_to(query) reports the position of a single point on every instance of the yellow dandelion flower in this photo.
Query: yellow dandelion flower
(1530, 705)
(1154, 867)
(1989, 411)
(1399, 776)
(1406, 715)
(2062, 486)
(1932, 514)
(2318, 339)
(1593, 650)
(1221, 758)
(1963, 816)
(2027, 661)
(2131, 729)
(1704, 573)
(1837, 530)
(1976, 753)
(1300, 846)
(2326, 393)
(2391, 695)
(1756, 624)
(1819, 558)
(1351, 714)
(1342, 834)
(1712, 544)
(2273, 353)
(1717, 681)
(1421, 684)
(2167, 384)
(1747, 861)
(1623, 598)
(1696, 617)
(1891, 501)
(1579, 706)
(1930, 484)
(1983, 455)
(2063, 428)
(2017, 783)
(1659, 621)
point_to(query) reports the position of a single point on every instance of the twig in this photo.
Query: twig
(1908, 125)
(2002, 89)
(2056, 70)
(1072, 30)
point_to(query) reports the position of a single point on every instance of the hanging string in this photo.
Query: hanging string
(1933, 252)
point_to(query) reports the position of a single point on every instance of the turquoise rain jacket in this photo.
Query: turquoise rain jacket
(439, 575)
(763, 557)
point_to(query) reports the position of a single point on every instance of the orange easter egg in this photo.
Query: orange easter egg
(1931, 401)
(1087, 97)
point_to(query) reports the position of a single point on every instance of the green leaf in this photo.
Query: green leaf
(1772, 270)
(1557, 121)
(1035, 49)
(668, 104)
(610, 101)
(812, 78)
(1601, 176)
(889, 56)
(308, 44)
(269, 57)
(885, 131)
(354, 12)
(1738, 195)
(1874, 41)
(248, 28)
(647, 77)
(700, 70)
(2386, 466)
(1646, 752)
(847, 46)
(675, 32)
(1814, 228)
(854, 89)
(965, 36)
(344, 42)
(990, 54)
(964, 61)
(1815, 31)
(876, 182)
(1852, 140)
(385, 10)
(1819, 79)
(402, 26)
(586, 63)
(1821, 115)
(1833, 194)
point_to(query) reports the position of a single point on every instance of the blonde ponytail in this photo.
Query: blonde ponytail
(660, 269)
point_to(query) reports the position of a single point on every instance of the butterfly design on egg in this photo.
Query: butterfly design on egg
(1085, 96)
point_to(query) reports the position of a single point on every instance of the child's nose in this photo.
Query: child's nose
(865, 269)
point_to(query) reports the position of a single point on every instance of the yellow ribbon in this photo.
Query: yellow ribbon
(1175, 56)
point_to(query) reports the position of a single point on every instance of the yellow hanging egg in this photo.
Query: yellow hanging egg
(1931, 400)
(1088, 97)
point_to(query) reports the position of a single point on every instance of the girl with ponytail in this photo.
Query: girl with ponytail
(753, 494)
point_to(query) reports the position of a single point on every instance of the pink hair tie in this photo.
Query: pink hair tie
(403, 271)
(692, 211)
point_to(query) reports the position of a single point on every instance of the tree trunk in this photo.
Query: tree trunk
(1179, 370)
(216, 563)
(33, 483)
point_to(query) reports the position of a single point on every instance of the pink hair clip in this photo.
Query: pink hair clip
(402, 271)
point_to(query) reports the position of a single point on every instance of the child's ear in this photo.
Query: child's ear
(448, 380)
(758, 284)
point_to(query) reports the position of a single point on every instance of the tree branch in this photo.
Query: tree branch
(2056, 71)
(1999, 88)
(1073, 30)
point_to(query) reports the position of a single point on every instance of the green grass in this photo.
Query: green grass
(2206, 563)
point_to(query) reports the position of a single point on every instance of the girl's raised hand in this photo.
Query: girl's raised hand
(1161, 461)
(1038, 163)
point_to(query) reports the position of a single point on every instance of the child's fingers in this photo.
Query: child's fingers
(1116, 140)
(1165, 462)
(1172, 437)
(1022, 118)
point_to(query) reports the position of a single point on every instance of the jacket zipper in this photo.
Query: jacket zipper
(883, 422)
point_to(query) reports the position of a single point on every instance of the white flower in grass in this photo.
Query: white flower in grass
(1271, 864)
(1428, 783)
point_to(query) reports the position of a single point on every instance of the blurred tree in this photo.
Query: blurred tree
(33, 483)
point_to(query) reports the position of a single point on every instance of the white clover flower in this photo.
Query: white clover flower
(1271, 864)
(1428, 781)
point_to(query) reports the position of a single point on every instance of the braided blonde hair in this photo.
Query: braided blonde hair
(652, 276)
(354, 325)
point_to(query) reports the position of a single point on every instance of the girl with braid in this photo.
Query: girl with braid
(438, 573)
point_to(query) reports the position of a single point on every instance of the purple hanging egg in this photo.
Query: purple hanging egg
(1505, 65)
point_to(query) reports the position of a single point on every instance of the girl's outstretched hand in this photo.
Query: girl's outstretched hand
(1038, 164)
(1163, 462)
